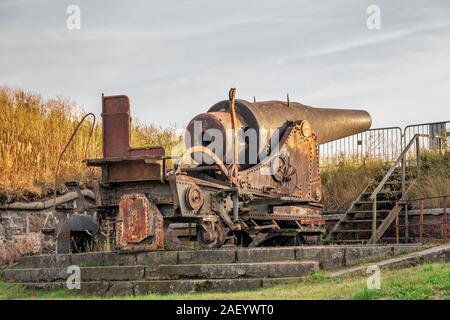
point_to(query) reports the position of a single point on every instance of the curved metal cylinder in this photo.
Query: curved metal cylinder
(327, 124)
(271, 117)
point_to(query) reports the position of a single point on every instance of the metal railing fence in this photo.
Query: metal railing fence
(385, 144)
(407, 226)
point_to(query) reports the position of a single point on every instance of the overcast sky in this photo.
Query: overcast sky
(177, 58)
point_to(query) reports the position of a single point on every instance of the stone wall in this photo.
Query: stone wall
(15, 225)
(20, 245)
(18, 222)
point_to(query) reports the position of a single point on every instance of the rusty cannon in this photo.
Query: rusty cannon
(249, 177)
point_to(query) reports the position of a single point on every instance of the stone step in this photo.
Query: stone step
(195, 271)
(106, 273)
(234, 270)
(330, 256)
(160, 272)
(134, 288)
(436, 254)
(160, 257)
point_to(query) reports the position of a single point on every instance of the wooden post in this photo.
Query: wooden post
(397, 227)
(406, 222)
(445, 222)
(108, 234)
(418, 155)
(374, 219)
(421, 221)
(403, 177)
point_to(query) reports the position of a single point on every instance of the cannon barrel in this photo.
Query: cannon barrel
(326, 124)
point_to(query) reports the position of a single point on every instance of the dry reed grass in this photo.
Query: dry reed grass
(34, 130)
(433, 181)
(345, 179)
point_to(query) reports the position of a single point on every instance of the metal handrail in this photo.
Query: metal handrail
(422, 223)
(393, 167)
(401, 159)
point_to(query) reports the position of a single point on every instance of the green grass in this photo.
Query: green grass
(429, 281)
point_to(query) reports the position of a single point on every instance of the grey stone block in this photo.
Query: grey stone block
(118, 259)
(45, 261)
(45, 286)
(121, 288)
(330, 257)
(186, 286)
(230, 285)
(98, 288)
(268, 282)
(361, 254)
(90, 288)
(87, 274)
(87, 259)
(157, 257)
(233, 270)
(385, 252)
(405, 249)
(355, 255)
(436, 256)
(265, 254)
(35, 275)
(207, 256)
(308, 253)
(118, 273)
(103, 259)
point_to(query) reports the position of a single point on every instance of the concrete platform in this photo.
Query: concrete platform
(232, 269)
(130, 288)
(163, 272)
(329, 256)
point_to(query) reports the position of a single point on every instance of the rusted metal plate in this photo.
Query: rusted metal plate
(117, 130)
(294, 211)
(133, 171)
(139, 224)
(292, 172)
(120, 161)
(134, 211)
(313, 221)
(303, 156)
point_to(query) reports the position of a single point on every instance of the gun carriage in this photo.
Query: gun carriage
(249, 177)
